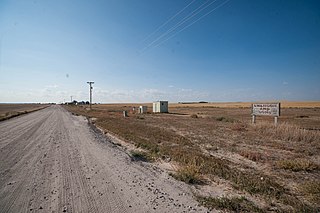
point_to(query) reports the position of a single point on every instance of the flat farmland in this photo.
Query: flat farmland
(233, 164)
(12, 110)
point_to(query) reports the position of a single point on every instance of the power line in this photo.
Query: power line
(172, 17)
(181, 22)
(192, 23)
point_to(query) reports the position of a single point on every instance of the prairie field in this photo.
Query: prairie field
(13, 110)
(232, 164)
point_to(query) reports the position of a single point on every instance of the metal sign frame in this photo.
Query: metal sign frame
(266, 109)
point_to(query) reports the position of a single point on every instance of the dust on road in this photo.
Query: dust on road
(52, 161)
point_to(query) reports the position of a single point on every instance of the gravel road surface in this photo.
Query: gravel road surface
(52, 161)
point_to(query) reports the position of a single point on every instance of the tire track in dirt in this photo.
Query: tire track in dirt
(44, 176)
(9, 130)
(77, 188)
(16, 188)
(11, 153)
(83, 181)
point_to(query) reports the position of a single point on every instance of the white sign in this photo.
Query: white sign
(266, 109)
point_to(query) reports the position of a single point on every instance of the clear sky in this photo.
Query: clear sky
(147, 50)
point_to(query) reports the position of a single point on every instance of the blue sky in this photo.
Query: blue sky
(136, 50)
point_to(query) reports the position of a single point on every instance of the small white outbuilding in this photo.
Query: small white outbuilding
(160, 106)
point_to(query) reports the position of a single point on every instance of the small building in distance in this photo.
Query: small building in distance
(160, 106)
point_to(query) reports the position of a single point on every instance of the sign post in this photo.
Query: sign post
(276, 121)
(271, 109)
(253, 119)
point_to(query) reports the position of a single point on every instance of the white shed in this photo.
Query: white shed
(160, 106)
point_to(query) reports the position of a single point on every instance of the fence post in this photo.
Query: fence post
(125, 114)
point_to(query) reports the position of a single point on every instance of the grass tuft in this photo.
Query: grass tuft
(312, 190)
(297, 165)
(239, 127)
(141, 156)
(235, 204)
(189, 174)
(225, 119)
(254, 156)
(194, 116)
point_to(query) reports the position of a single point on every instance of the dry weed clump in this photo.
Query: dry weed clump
(287, 132)
(141, 156)
(238, 126)
(312, 190)
(194, 116)
(189, 174)
(295, 205)
(234, 204)
(225, 119)
(297, 165)
(254, 156)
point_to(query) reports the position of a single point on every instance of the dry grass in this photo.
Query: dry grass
(8, 111)
(286, 132)
(251, 155)
(238, 126)
(141, 156)
(189, 174)
(179, 137)
(194, 116)
(297, 165)
(284, 104)
(225, 119)
(234, 204)
(312, 190)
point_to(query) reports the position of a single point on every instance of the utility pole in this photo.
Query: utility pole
(71, 98)
(90, 83)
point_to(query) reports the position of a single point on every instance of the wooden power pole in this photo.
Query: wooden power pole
(90, 83)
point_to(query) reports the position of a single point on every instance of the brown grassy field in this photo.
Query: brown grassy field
(237, 165)
(284, 104)
(12, 110)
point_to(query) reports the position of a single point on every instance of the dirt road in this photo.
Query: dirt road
(52, 161)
